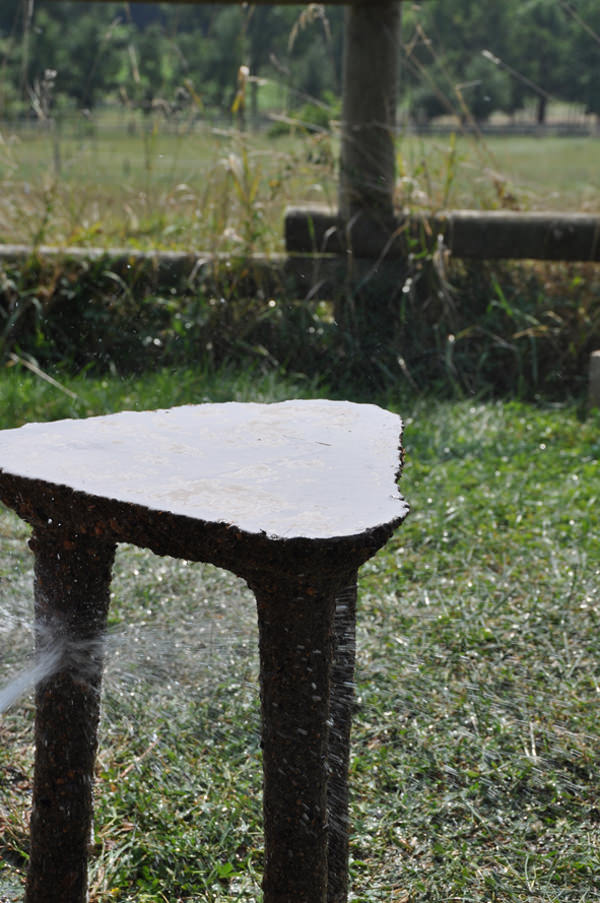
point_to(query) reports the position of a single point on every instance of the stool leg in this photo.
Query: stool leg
(72, 591)
(342, 698)
(296, 636)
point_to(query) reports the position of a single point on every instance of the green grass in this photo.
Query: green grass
(208, 190)
(214, 189)
(475, 756)
(527, 173)
(25, 397)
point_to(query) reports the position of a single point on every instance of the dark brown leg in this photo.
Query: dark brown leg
(296, 627)
(342, 698)
(72, 581)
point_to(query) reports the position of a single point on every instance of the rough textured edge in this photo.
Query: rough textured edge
(178, 536)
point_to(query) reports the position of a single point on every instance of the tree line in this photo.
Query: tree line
(461, 56)
(503, 55)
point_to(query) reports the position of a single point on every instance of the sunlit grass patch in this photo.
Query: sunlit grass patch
(475, 757)
(480, 663)
(26, 397)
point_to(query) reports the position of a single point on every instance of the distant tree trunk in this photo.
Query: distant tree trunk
(541, 106)
(254, 104)
(27, 18)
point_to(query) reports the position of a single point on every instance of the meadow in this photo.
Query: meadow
(115, 181)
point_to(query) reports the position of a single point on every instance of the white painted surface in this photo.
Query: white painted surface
(297, 468)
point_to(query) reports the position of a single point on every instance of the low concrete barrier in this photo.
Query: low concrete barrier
(484, 235)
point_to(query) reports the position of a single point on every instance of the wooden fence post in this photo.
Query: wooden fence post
(367, 162)
(594, 380)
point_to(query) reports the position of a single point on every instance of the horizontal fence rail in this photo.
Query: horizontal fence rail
(484, 235)
(302, 274)
(586, 126)
(318, 243)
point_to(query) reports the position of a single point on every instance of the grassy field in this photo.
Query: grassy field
(215, 189)
(475, 758)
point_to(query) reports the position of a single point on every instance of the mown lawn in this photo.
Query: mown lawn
(476, 746)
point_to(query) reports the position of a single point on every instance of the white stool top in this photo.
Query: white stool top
(312, 469)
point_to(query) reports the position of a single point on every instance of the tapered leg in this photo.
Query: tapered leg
(342, 698)
(72, 581)
(296, 635)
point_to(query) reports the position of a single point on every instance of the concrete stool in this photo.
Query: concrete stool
(292, 497)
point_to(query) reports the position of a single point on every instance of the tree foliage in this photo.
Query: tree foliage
(501, 55)
(460, 56)
(158, 52)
